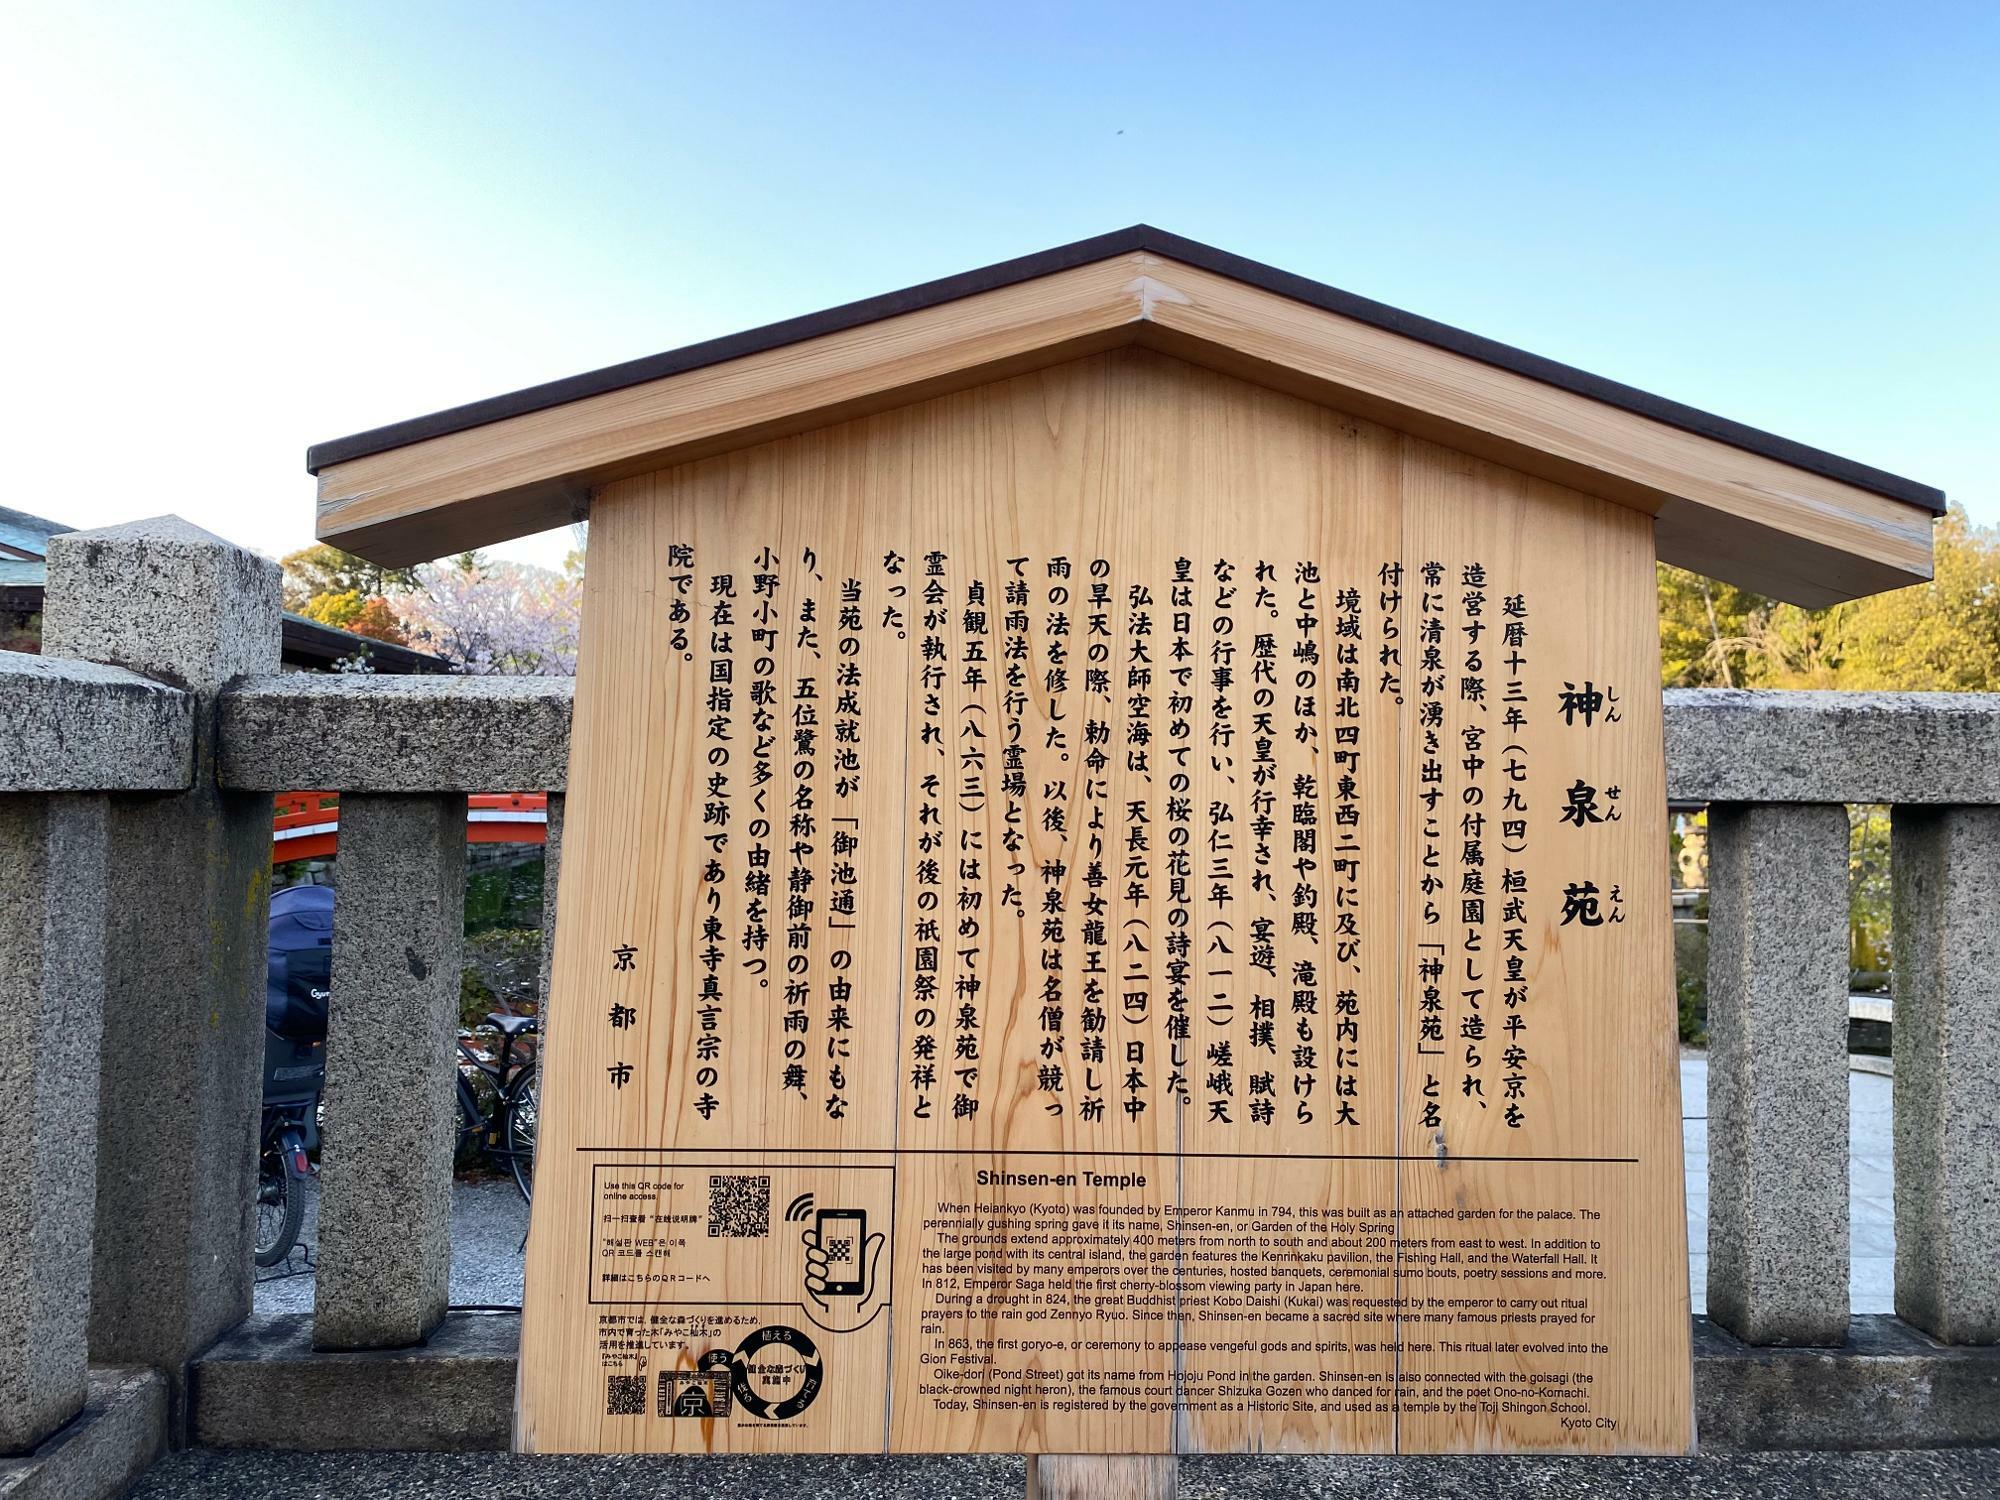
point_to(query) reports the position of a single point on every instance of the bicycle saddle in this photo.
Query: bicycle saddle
(511, 1025)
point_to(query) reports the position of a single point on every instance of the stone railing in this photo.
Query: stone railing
(137, 759)
(1776, 769)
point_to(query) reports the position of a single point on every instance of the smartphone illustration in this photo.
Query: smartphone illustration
(841, 1233)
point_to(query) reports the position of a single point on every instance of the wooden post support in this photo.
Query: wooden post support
(1102, 1476)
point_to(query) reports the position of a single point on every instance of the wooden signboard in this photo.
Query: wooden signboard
(1115, 911)
(1106, 908)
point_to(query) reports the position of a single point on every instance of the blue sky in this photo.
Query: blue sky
(241, 228)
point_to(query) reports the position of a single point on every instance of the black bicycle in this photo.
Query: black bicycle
(297, 988)
(499, 1098)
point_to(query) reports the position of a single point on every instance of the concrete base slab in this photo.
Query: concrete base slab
(265, 1387)
(1892, 1386)
(121, 1429)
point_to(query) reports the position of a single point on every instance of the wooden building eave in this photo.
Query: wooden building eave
(1729, 501)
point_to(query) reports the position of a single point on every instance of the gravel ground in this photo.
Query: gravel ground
(1960, 1474)
(488, 1222)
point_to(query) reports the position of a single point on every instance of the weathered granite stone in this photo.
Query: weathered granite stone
(1726, 745)
(120, 1431)
(385, 1201)
(1777, 1073)
(1888, 1386)
(184, 971)
(398, 734)
(1946, 873)
(482, 734)
(265, 1385)
(52, 894)
(73, 726)
(163, 598)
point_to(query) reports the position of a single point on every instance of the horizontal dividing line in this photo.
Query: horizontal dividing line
(1612, 1161)
(868, 1166)
(699, 1302)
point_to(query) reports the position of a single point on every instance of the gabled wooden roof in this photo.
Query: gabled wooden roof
(1730, 501)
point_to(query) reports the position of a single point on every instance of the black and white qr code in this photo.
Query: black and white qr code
(839, 1248)
(625, 1396)
(739, 1207)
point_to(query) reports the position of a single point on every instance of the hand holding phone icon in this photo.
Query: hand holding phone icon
(841, 1260)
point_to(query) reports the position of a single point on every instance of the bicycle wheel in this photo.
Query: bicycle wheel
(523, 1110)
(281, 1209)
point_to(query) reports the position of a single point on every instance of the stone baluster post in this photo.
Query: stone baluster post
(1945, 865)
(1777, 1072)
(385, 1199)
(188, 888)
(51, 1013)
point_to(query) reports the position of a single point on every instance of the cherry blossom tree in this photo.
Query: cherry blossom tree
(497, 618)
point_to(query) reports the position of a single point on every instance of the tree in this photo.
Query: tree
(324, 569)
(497, 618)
(372, 616)
(1702, 622)
(378, 621)
(1941, 636)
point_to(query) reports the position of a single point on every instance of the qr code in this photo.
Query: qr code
(625, 1396)
(841, 1249)
(739, 1208)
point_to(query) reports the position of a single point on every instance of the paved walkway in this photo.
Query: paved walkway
(1871, 1205)
(489, 1218)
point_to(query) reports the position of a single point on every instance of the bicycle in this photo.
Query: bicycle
(499, 1099)
(298, 986)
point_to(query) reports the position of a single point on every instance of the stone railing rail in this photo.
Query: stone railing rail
(136, 761)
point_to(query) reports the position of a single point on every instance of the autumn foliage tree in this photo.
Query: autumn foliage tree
(323, 570)
(1940, 636)
(1701, 620)
(373, 616)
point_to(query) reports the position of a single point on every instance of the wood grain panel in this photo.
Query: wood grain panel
(1104, 936)
(1729, 513)
(529, 472)
(1599, 1141)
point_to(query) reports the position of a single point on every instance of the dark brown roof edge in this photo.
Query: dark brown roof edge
(1140, 237)
(314, 642)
